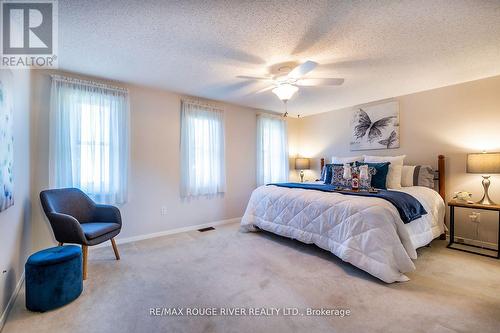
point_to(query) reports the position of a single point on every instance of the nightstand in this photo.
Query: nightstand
(459, 204)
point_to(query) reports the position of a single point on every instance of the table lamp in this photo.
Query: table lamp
(485, 164)
(302, 164)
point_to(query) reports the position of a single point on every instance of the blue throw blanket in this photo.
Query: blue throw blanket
(408, 207)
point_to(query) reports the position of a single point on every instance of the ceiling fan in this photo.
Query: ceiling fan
(286, 78)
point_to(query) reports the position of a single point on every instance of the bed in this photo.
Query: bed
(367, 232)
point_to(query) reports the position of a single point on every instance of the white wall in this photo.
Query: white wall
(155, 164)
(15, 242)
(453, 121)
(293, 145)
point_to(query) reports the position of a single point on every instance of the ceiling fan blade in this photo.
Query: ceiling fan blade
(302, 70)
(320, 82)
(260, 78)
(264, 89)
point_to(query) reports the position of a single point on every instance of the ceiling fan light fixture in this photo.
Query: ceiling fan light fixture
(285, 91)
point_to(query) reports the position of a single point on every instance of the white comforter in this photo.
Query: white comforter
(364, 231)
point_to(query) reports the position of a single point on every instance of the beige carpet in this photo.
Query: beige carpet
(450, 291)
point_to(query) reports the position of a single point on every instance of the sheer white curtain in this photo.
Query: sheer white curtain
(89, 138)
(272, 149)
(202, 149)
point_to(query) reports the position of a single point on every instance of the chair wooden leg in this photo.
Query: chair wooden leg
(85, 250)
(60, 243)
(117, 255)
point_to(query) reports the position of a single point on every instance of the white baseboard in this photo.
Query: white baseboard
(11, 302)
(169, 232)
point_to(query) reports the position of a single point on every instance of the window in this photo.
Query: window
(202, 150)
(272, 149)
(94, 146)
(89, 138)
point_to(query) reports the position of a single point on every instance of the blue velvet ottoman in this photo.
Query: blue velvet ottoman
(53, 277)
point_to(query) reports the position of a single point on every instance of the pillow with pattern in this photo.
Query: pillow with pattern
(326, 174)
(379, 178)
(338, 177)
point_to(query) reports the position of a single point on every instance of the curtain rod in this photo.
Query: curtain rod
(270, 115)
(201, 102)
(87, 83)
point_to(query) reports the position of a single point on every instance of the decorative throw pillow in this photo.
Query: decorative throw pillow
(348, 159)
(365, 184)
(338, 177)
(328, 173)
(395, 168)
(417, 175)
(323, 173)
(341, 161)
(379, 177)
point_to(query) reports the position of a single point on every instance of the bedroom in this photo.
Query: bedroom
(181, 126)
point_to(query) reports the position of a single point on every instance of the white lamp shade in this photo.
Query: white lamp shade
(483, 163)
(302, 164)
(285, 91)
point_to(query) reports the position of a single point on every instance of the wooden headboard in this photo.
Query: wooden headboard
(440, 175)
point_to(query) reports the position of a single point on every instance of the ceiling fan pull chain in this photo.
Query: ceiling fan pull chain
(286, 109)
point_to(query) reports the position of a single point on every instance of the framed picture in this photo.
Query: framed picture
(6, 141)
(375, 127)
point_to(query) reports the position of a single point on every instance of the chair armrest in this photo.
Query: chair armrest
(107, 213)
(66, 228)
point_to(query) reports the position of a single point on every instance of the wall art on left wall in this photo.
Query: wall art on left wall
(6, 141)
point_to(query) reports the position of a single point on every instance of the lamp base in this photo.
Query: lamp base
(485, 200)
(301, 176)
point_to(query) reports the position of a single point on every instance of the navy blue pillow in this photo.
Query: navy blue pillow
(323, 173)
(379, 179)
(328, 173)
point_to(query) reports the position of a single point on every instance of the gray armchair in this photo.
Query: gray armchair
(75, 218)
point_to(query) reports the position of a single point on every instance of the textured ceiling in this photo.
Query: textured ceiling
(381, 48)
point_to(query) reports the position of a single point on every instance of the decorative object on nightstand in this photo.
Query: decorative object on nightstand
(485, 164)
(462, 196)
(461, 204)
(302, 164)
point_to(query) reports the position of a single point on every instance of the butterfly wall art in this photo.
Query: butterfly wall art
(375, 127)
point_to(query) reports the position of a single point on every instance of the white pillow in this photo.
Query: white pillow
(348, 159)
(407, 175)
(395, 168)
